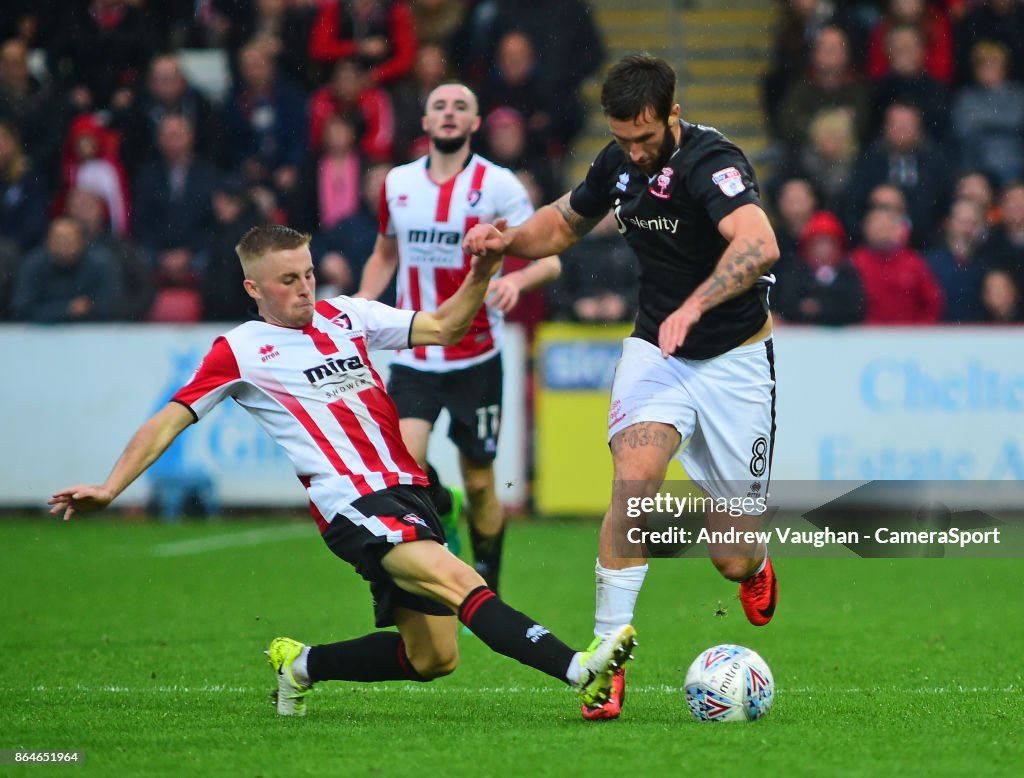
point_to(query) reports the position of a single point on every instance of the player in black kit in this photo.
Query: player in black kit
(699, 365)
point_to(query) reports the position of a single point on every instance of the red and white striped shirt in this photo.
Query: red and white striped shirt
(429, 221)
(317, 395)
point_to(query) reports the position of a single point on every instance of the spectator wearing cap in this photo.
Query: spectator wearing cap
(823, 287)
(898, 284)
(91, 160)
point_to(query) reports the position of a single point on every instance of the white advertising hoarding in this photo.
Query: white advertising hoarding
(900, 403)
(73, 395)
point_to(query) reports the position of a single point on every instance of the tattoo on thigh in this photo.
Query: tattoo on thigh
(642, 435)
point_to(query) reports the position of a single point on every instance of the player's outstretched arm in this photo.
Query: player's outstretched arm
(751, 252)
(451, 321)
(504, 291)
(146, 445)
(379, 269)
(551, 230)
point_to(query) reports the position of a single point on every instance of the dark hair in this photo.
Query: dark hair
(638, 82)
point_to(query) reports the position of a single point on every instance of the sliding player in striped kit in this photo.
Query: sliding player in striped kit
(304, 374)
(426, 208)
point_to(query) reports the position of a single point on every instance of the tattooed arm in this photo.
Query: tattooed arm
(551, 230)
(751, 252)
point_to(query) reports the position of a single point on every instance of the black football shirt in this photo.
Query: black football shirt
(671, 221)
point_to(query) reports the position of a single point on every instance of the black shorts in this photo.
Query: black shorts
(379, 522)
(471, 396)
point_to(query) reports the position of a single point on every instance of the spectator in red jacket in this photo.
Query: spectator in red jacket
(381, 33)
(351, 92)
(933, 23)
(898, 284)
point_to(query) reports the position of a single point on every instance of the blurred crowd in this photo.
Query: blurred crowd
(131, 161)
(127, 177)
(898, 164)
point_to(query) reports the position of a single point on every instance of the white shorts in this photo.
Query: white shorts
(723, 408)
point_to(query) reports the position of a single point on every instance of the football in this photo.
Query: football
(729, 683)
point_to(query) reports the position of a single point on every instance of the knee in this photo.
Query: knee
(435, 663)
(734, 568)
(479, 484)
(632, 467)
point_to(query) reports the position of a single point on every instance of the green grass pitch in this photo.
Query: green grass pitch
(141, 644)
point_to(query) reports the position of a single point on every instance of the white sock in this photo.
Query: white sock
(764, 561)
(299, 669)
(617, 591)
(574, 672)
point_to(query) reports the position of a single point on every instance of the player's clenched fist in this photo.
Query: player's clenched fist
(481, 238)
(485, 266)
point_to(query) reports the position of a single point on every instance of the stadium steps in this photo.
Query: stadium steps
(720, 50)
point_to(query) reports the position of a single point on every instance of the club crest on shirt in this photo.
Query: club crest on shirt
(412, 518)
(342, 320)
(473, 197)
(729, 180)
(659, 188)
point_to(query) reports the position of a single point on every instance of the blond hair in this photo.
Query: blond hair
(836, 121)
(17, 165)
(265, 239)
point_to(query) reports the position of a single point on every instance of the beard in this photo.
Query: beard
(449, 145)
(665, 150)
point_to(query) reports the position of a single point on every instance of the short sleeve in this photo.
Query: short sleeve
(592, 199)
(722, 181)
(217, 375)
(511, 201)
(386, 328)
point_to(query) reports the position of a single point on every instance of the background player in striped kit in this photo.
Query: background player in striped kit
(426, 208)
(304, 374)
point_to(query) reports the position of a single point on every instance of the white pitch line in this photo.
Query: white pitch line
(251, 537)
(442, 690)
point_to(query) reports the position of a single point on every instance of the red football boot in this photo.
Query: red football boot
(759, 595)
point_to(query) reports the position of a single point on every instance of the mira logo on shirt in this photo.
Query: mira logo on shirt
(332, 368)
(434, 235)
